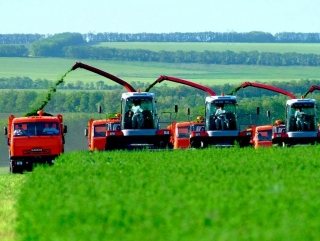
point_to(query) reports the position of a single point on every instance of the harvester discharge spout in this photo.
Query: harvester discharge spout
(312, 88)
(262, 86)
(182, 81)
(128, 87)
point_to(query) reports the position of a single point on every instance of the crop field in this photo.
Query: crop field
(54, 68)
(204, 194)
(210, 194)
(10, 186)
(303, 48)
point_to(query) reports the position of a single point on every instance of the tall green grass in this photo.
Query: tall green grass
(10, 186)
(211, 194)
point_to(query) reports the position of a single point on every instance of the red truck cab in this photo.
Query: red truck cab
(181, 132)
(33, 140)
(262, 136)
(97, 129)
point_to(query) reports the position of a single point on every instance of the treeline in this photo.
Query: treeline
(25, 83)
(72, 45)
(55, 45)
(248, 37)
(242, 37)
(12, 50)
(206, 57)
(88, 101)
(20, 38)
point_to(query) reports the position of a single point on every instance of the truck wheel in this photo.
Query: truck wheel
(203, 144)
(195, 144)
(14, 169)
(29, 167)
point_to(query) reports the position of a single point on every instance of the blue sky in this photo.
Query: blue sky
(158, 16)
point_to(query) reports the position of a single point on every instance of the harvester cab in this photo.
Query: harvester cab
(301, 123)
(139, 122)
(139, 110)
(253, 131)
(220, 120)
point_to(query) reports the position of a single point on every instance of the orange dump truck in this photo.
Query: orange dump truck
(34, 139)
(268, 135)
(262, 136)
(97, 129)
(182, 133)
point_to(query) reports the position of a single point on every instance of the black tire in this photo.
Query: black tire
(29, 167)
(14, 169)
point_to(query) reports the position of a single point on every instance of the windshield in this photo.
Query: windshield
(301, 117)
(183, 132)
(113, 126)
(139, 113)
(265, 135)
(99, 130)
(221, 116)
(198, 127)
(36, 129)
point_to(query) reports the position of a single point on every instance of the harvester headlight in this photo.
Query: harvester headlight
(198, 134)
(166, 132)
(278, 135)
(20, 163)
(112, 133)
(248, 133)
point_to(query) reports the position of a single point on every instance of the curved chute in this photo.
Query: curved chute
(263, 86)
(181, 81)
(105, 74)
(312, 88)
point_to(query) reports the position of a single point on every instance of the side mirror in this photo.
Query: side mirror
(86, 132)
(5, 130)
(258, 110)
(65, 129)
(188, 111)
(176, 108)
(99, 109)
(268, 113)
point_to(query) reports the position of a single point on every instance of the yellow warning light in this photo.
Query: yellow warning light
(222, 94)
(40, 112)
(278, 122)
(199, 118)
(139, 90)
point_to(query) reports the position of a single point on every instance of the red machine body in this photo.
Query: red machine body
(228, 133)
(139, 130)
(34, 140)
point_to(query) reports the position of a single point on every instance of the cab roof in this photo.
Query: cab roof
(137, 94)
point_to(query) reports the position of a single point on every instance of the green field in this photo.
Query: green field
(10, 186)
(305, 48)
(54, 68)
(211, 194)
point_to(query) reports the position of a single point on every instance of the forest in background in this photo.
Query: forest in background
(76, 45)
(242, 37)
